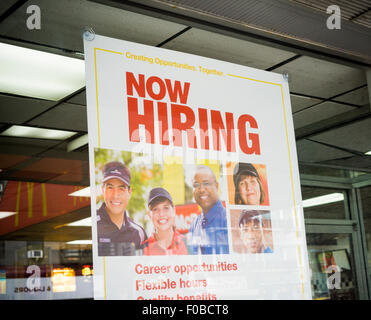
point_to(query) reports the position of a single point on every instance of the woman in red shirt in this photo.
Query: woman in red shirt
(166, 240)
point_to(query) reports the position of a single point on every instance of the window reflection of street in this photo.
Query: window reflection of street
(58, 271)
(63, 280)
(329, 253)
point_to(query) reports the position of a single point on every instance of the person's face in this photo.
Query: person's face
(251, 236)
(249, 190)
(116, 196)
(163, 216)
(205, 189)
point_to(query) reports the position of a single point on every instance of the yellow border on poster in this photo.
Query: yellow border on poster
(288, 150)
(292, 180)
(96, 93)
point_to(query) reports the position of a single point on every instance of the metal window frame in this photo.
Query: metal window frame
(351, 230)
(363, 240)
(352, 224)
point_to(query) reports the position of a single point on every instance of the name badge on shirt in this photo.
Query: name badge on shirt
(105, 240)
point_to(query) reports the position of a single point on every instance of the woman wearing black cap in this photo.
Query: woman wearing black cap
(248, 187)
(166, 240)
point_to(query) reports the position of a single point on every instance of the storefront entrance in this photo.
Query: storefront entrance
(337, 258)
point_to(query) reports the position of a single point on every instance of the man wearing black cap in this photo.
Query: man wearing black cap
(252, 232)
(118, 235)
(248, 187)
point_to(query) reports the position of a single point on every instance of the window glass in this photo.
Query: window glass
(323, 203)
(323, 171)
(332, 267)
(45, 242)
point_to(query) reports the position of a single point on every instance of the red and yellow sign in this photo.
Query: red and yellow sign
(37, 202)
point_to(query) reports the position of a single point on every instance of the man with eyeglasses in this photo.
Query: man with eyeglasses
(118, 235)
(208, 232)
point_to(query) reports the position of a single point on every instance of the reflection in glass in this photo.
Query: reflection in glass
(331, 264)
(63, 280)
(321, 203)
(315, 169)
(37, 270)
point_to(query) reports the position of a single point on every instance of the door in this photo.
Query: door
(332, 261)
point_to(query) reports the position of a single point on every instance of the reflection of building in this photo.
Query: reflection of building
(2, 281)
(63, 280)
(32, 203)
(330, 103)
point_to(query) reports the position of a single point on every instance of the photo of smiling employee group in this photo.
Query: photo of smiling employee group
(118, 234)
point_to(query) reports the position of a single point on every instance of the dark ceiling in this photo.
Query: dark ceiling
(330, 102)
(327, 71)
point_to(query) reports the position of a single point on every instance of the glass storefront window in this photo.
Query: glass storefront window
(37, 270)
(323, 171)
(45, 232)
(323, 203)
(340, 174)
(332, 266)
(45, 242)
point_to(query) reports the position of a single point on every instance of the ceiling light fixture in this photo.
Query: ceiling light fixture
(80, 223)
(38, 133)
(77, 143)
(328, 198)
(80, 242)
(39, 74)
(81, 193)
(4, 214)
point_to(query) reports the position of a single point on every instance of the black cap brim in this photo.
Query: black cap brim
(116, 177)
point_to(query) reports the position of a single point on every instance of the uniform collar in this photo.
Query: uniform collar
(104, 216)
(213, 212)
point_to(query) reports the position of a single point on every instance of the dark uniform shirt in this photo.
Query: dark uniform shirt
(113, 241)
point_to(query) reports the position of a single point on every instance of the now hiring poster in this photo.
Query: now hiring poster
(195, 191)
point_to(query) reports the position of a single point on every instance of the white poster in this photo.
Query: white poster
(194, 175)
